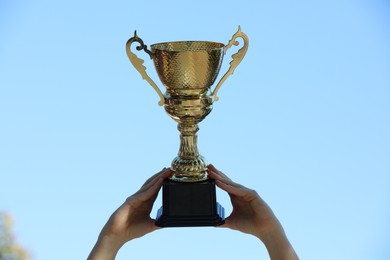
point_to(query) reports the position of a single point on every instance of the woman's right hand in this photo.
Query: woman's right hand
(253, 216)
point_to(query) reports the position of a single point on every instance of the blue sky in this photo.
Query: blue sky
(304, 120)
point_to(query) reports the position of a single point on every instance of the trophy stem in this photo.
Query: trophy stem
(189, 165)
(188, 140)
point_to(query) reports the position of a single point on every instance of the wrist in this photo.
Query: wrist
(106, 248)
(278, 245)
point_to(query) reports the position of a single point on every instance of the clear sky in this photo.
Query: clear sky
(304, 120)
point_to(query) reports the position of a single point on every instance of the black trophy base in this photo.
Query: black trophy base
(189, 204)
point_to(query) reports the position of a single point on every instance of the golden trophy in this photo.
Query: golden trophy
(188, 69)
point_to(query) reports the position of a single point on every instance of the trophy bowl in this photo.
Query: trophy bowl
(188, 69)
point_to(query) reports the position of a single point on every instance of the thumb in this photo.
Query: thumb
(226, 224)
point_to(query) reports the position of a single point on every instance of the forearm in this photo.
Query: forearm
(278, 246)
(105, 248)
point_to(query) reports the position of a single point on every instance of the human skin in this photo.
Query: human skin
(253, 216)
(131, 220)
(250, 215)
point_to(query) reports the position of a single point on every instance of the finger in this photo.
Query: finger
(164, 173)
(153, 225)
(231, 189)
(154, 176)
(168, 173)
(227, 223)
(218, 172)
(148, 185)
(228, 181)
(152, 191)
(214, 175)
(212, 168)
(155, 186)
(146, 195)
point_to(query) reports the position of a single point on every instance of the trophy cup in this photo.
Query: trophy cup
(188, 69)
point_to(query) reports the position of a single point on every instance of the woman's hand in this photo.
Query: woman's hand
(253, 216)
(131, 220)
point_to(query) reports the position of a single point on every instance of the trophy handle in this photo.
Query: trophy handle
(237, 58)
(138, 63)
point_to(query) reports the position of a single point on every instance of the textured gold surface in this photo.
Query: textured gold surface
(188, 69)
